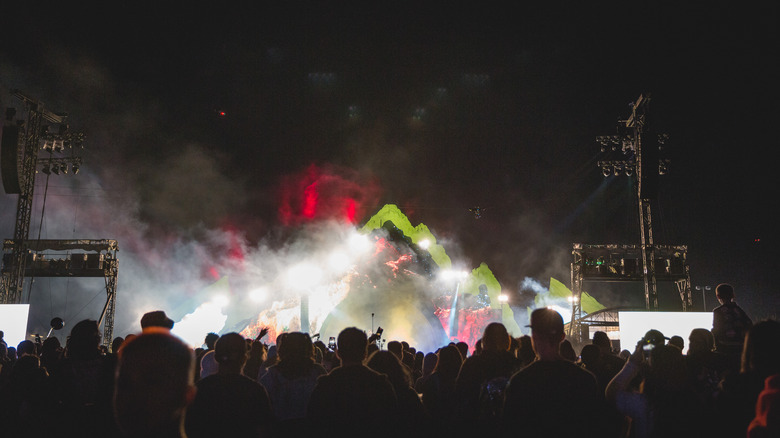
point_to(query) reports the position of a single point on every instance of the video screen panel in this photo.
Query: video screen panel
(13, 322)
(634, 325)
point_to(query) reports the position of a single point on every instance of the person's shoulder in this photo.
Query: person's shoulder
(318, 370)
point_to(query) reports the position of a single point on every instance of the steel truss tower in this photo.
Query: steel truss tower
(640, 158)
(22, 142)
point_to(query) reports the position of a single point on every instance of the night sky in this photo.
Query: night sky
(202, 118)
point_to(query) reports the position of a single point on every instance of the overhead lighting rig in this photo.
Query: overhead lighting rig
(621, 151)
(35, 140)
(62, 147)
(59, 165)
(617, 167)
(635, 150)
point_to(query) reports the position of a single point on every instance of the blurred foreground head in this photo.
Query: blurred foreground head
(154, 385)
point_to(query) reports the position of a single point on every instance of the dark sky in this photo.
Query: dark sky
(445, 106)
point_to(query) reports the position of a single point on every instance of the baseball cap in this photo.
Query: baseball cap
(157, 318)
(654, 337)
(546, 320)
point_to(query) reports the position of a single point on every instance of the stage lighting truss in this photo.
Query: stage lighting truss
(617, 167)
(622, 149)
(613, 142)
(612, 262)
(62, 140)
(62, 147)
(59, 165)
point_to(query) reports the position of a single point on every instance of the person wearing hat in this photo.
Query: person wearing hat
(655, 338)
(536, 394)
(157, 319)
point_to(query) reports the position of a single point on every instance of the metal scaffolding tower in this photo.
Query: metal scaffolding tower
(639, 157)
(40, 131)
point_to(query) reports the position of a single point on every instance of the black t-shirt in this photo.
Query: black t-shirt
(351, 398)
(553, 398)
(475, 373)
(229, 405)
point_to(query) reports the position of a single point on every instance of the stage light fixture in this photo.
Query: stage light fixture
(75, 168)
(663, 167)
(629, 169)
(628, 144)
(46, 169)
(64, 169)
(606, 170)
(617, 168)
(55, 168)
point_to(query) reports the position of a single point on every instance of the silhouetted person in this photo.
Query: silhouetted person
(590, 359)
(612, 362)
(705, 366)
(417, 371)
(154, 385)
(257, 355)
(463, 348)
(525, 351)
(206, 361)
(397, 348)
(567, 351)
(157, 319)
(23, 400)
(229, 403)
(412, 413)
(438, 391)
(291, 381)
(537, 392)
(730, 324)
(26, 347)
(5, 364)
(428, 366)
(352, 399)
(51, 353)
(678, 342)
(82, 384)
(483, 377)
(665, 405)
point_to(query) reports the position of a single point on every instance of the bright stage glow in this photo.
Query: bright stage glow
(304, 276)
(452, 274)
(338, 261)
(258, 295)
(358, 243)
(220, 301)
(424, 244)
(634, 325)
(208, 317)
(14, 322)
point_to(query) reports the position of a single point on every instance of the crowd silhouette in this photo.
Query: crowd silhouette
(151, 384)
